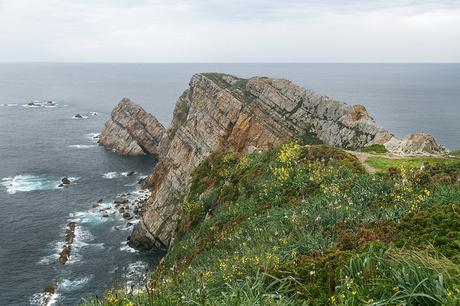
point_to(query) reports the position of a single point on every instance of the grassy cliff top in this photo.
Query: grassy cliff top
(307, 225)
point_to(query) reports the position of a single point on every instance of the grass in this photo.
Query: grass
(381, 163)
(375, 148)
(238, 89)
(307, 225)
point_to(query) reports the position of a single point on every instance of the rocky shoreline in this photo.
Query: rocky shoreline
(220, 112)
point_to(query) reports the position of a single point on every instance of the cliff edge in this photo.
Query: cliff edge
(220, 112)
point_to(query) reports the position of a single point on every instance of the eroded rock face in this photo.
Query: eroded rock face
(221, 112)
(416, 144)
(131, 130)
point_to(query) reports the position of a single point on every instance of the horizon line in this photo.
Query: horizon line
(184, 63)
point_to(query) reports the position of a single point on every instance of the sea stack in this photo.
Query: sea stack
(131, 130)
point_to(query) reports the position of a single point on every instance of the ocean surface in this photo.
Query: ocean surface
(40, 145)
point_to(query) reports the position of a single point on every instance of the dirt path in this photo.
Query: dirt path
(362, 157)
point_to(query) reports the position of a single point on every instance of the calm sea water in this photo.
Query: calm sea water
(39, 145)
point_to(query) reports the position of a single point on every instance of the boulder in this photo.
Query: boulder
(65, 181)
(78, 116)
(130, 173)
(416, 144)
(121, 200)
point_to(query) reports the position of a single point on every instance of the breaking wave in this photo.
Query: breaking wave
(25, 183)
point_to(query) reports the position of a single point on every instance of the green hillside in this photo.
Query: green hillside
(307, 225)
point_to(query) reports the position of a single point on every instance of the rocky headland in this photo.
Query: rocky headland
(220, 112)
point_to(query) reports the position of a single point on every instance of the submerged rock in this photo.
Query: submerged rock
(77, 116)
(64, 255)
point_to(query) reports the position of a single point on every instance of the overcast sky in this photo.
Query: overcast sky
(230, 30)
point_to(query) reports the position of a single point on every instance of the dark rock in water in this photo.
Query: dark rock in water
(78, 116)
(99, 201)
(64, 255)
(129, 224)
(139, 240)
(121, 210)
(127, 215)
(121, 200)
(95, 205)
(105, 215)
(61, 185)
(65, 181)
(130, 173)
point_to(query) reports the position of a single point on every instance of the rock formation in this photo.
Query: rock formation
(221, 112)
(131, 130)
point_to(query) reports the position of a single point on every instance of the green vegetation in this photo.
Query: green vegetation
(455, 153)
(384, 163)
(306, 225)
(375, 148)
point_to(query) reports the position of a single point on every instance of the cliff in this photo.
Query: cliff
(220, 113)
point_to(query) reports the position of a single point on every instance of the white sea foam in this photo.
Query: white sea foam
(80, 146)
(52, 259)
(9, 104)
(78, 283)
(94, 137)
(126, 248)
(37, 103)
(112, 175)
(89, 217)
(26, 182)
(83, 239)
(44, 299)
(135, 273)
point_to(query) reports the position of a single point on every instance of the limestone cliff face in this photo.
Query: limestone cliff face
(221, 112)
(131, 130)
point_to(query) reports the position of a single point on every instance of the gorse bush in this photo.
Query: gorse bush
(306, 225)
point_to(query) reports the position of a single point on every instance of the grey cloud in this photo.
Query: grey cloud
(229, 30)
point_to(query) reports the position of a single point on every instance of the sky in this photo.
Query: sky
(229, 31)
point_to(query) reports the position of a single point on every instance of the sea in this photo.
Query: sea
(43, 142)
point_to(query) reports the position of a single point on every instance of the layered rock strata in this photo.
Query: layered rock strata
(220, 112)
(131, 130)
